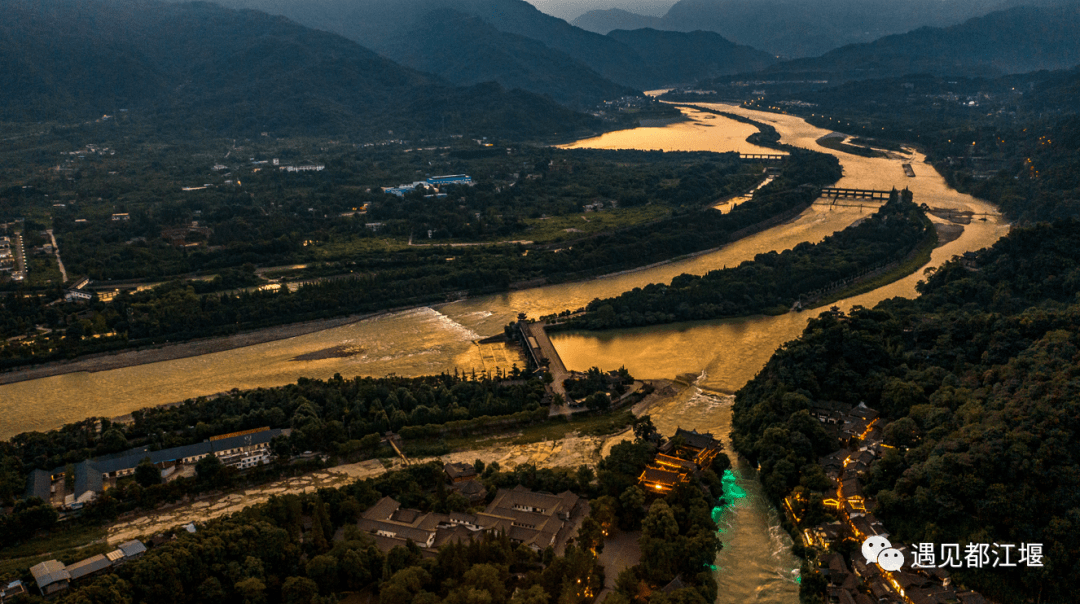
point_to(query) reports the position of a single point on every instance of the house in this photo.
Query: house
(74, 295)
(679, 458)
(455, 179)
(852, 492)
(121, 217)
(51, 576)
(88, 484)
(132, 550)
(89, 567)
(11, 590)
(460, 472)
(39, 484)
(702, 447)
(536, 520)
(241, 450)
(662, 479)
(472, 490)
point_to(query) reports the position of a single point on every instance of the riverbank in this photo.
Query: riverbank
(106, 361)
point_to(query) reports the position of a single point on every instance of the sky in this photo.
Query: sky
(572, 9)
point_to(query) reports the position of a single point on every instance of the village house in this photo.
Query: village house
(53, 576)
(241, 450)
(536, 520)
(680, 458)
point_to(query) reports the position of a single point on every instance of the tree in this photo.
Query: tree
(598, 401)
(252, 590)
(324, 571)
(532, 595)
(632, 501)
(208, 467)
(584, 477)
(644, 430)
(147, 474)
(299, 590)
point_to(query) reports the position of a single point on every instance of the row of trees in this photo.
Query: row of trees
(772, 282)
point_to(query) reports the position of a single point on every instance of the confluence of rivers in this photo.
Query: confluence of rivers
(756, 564)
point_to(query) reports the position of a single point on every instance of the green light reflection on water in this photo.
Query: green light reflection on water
(732, 493)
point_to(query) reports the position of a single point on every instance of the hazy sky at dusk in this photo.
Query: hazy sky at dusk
(571, 9)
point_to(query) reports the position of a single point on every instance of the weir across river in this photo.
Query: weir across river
(854, 193)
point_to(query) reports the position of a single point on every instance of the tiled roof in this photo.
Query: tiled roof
(39, 484)
(88, 479)
(132, 548)
(88, 566)
(49, 572)
(383, 509)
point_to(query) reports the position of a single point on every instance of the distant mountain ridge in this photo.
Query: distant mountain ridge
(803, 28)
(666, 53)
(423, 35)
(608, 20)
(203, 67)
(1015, 40)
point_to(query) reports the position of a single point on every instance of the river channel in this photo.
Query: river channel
(756, 565)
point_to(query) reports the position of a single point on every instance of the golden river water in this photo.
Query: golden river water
(756, 564)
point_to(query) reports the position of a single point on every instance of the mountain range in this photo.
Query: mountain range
(500, 43)
(802, 28)
(201, 67)
(1015, 40)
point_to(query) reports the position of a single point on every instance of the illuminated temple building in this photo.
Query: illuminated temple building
(679, 458)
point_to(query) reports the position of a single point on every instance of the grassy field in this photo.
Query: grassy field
(65, 543)
(555, 228)
(42, 271)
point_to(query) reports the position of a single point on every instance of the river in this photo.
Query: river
(756, 565)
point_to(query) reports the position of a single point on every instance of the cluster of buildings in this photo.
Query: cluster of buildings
(861, 434)
(304, 168)
(7, 256)
(536, 520)
(241, 450)
(79, 291)
(432, 183)
(681, 457)
(53, 576)
(598, 205)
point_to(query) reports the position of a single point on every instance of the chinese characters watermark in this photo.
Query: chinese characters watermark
(977, 555)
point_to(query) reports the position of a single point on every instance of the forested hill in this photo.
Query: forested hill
(200, 67)
(676, 57)
(1017, 40)
(388, 26)
(800, 28)
(465, 49)
(513, 43)
(977, 378)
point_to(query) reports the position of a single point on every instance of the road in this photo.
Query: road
(56, 250)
